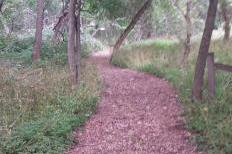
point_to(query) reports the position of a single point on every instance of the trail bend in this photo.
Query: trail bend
(137, 114)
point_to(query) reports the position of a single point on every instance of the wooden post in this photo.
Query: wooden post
(211, 74)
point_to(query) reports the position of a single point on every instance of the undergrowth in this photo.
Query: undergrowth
(209, 120)
(38, 107)
(20, 50)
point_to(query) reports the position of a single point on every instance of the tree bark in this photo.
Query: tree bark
(39, 29)
(131, 25)
(203, 51)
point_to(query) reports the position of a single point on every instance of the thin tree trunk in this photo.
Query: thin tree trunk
(131, 25)
(71, 40)
(226, 24)
(226, 16)
(78, 43)
(203, 51)
(227, 30)
(39, 29)
(61, 23)
(74, 41)
(187, 43)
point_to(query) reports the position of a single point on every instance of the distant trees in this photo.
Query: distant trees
(203, 51)
(39, 30)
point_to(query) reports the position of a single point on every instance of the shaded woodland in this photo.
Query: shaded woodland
(49, 88)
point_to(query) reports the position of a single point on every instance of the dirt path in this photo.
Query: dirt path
(138, 114)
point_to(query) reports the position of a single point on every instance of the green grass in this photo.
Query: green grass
(209, 120)
(39, 109)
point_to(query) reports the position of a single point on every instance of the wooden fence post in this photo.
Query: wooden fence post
(211, 74)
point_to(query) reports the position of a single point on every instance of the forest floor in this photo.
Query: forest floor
(138, 113)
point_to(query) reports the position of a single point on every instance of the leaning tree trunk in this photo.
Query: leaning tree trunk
(203, 51)
(39, 29)
(187, 43)
(131, 25)
(71, 40)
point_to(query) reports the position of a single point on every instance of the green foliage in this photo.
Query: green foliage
(20, 50)
(209, 120)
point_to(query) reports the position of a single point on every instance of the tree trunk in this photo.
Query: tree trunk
(227, 30)
(71, 40)
(203, 51)
(187, 43)
(225, 13)
(74, 41)
(78, 43)
(39, 29)
(226, 23)
(61, 23)
(131, 25)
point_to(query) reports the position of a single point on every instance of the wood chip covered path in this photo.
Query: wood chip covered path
(138, 114)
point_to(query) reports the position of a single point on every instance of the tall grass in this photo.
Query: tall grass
(209, 120)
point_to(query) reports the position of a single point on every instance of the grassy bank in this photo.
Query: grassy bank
(39, 109)
(209, 120)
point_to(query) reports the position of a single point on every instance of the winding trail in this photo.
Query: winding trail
(138, 114)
